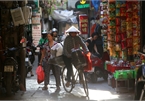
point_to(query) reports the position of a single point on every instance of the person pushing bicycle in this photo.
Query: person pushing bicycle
(72, 41)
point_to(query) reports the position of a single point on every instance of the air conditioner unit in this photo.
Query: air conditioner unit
(17, 16)
(27, 12)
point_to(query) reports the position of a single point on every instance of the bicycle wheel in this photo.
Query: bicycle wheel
(64, 81)
(84, 82)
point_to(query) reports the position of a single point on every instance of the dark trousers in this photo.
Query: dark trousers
(68, 65)
(138, 89)
(39, 56)
(139, 85)
(56, 72)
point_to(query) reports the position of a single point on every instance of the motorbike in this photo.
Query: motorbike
(9, 77)
(30, 54)
(31, 51)
(98, 69)
(29, 60)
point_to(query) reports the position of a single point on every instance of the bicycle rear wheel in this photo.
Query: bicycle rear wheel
(64, 81)
(85, 84)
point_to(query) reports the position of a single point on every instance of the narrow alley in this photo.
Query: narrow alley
(97, 91)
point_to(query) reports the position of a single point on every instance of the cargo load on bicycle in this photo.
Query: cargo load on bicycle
(78, 59)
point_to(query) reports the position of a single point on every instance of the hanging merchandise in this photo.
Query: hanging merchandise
(117, 47)
(111, 15)
(123, 29)
(117, 12)
(129, 42)
(118, 21)
(104, 12)
(111, 37)
(111, 7)
(112, 31)
(124, 54)
(117, 38)
(123, 38)
(129, 33)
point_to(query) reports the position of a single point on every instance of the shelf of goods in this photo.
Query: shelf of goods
(123, 35)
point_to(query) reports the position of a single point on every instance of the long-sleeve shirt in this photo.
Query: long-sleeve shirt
(73, 42)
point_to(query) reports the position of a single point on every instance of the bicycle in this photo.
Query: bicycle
(76, 75)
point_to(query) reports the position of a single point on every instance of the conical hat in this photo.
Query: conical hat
(72, 29)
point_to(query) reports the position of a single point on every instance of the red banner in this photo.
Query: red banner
(83, 24)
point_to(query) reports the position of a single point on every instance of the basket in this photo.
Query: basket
(120, 74)
(58, 61)
(124, 74)
(78, 59)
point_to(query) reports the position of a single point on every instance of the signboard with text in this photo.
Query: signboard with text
(83, 24)
(36, 34)
(36, 18)
(82, 4)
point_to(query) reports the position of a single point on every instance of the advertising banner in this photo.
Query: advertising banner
(36, 34)
(83, 24)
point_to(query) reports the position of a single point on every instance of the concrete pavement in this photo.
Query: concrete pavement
(97, 91)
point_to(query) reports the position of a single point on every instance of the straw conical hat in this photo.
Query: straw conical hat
(72, 29)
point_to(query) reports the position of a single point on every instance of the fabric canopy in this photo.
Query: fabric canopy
(62, 15)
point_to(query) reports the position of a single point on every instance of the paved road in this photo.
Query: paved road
(97, 91)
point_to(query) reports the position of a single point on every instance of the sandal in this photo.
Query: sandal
(32, 74)
(67, 84)
(44, 88)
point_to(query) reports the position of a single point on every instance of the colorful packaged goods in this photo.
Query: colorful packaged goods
(118, 47)
(129, 42)
(118, 38)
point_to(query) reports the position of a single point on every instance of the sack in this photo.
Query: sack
(88, 67)
(59, 61)
(78, 59)
(40, 74)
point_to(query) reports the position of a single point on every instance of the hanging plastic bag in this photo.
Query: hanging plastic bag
(40, 74)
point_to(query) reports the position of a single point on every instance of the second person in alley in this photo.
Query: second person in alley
(46, 54)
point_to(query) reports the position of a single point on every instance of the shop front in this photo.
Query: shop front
(123, 38)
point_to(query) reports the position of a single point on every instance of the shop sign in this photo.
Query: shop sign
(83, 24)
(82, 4)
(36, 18)
(36, 34)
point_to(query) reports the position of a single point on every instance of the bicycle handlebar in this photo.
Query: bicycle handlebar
(12, 49)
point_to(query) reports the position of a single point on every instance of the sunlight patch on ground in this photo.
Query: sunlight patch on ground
(101, 95)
